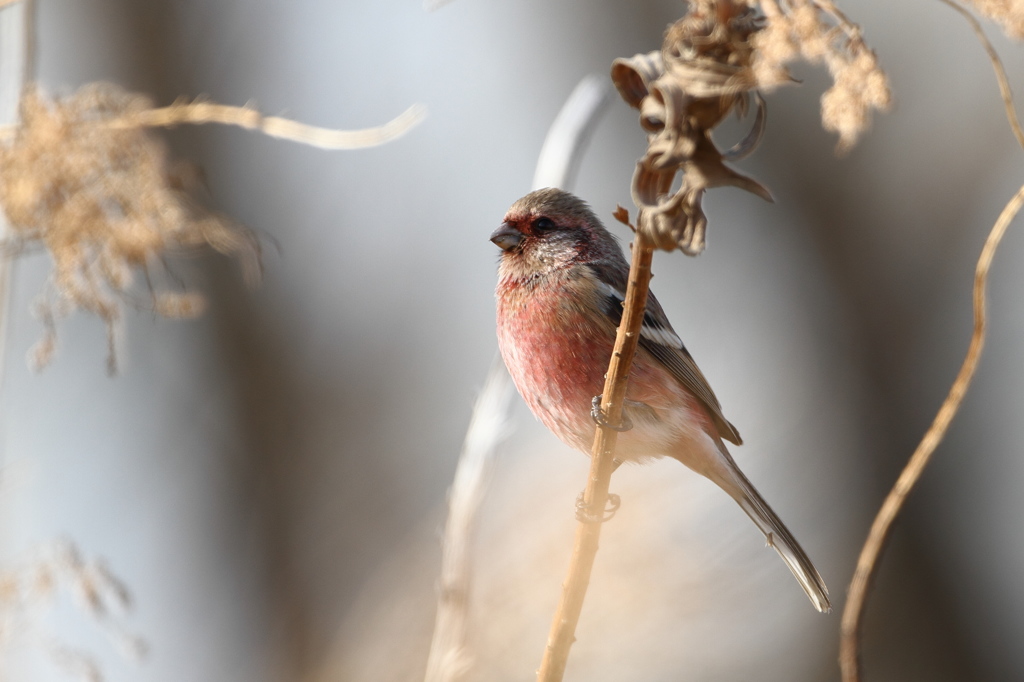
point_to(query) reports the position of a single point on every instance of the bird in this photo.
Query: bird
(561, 286)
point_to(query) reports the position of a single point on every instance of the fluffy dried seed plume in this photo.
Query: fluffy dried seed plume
(1007, 13)
(818, 32)
(101, 198)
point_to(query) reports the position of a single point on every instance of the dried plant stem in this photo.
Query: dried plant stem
(595, 496)
(997, 64)
(11, 51)
(274, 126)
(851, 29)
(849, 643)
(867, 562)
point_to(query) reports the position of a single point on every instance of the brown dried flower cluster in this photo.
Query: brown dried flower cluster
(1008, 13)
(701, 74)
(818, 32)
(712, 63)
(96, 191)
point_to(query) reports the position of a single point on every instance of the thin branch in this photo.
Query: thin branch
(28, 65)
(275, 126)
(867, 562)
(595, 496)
(10, 91)
(997, 64)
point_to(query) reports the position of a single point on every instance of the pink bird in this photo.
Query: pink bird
(561, 285)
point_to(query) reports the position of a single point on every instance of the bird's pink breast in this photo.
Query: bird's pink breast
(556, 344)
(557, 356)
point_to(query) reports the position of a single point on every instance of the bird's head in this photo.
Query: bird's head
(549, 229)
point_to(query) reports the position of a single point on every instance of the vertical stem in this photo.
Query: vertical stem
(595, 496)
(28, 66)
(871, 552)
(17, 47)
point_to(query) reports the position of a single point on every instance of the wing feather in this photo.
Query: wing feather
(659, 339)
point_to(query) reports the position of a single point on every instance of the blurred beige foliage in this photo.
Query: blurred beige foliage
(1008, 13)
(106, 204)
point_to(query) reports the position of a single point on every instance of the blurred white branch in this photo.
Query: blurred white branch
(488, 426)
(272, 126)
(563, 147)
(275, 126)
(449, 659)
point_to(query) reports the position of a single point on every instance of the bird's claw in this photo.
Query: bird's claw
(597, 414)
(583, 514)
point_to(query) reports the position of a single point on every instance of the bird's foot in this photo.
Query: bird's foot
(583, 514)
(597, 414)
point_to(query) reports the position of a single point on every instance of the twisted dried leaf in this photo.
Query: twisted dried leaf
(701, 75)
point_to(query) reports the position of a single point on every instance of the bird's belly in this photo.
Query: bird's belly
(558, 363)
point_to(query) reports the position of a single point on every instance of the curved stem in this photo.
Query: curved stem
(274, 126)
(867, 563)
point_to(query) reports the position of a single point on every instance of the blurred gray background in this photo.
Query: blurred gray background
(269, 480)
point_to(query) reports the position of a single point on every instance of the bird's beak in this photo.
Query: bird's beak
(507, 237)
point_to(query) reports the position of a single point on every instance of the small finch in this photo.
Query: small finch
(561, 285)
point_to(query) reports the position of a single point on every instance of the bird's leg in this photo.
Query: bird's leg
(583, 514)
(597, 414)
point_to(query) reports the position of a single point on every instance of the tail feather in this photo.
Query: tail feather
(778, 536)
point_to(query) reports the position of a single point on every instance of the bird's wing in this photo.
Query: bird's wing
(659, 339)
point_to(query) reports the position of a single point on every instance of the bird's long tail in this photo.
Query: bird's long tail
(776, 533)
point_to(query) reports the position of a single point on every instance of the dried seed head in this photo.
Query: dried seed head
(702, 74)
(818, 32)
(1008, 13)
(860, 86)
(100, 199)
(712, 63)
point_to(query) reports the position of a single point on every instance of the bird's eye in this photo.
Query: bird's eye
(544, 224)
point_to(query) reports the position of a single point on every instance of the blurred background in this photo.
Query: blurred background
(269, 480)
